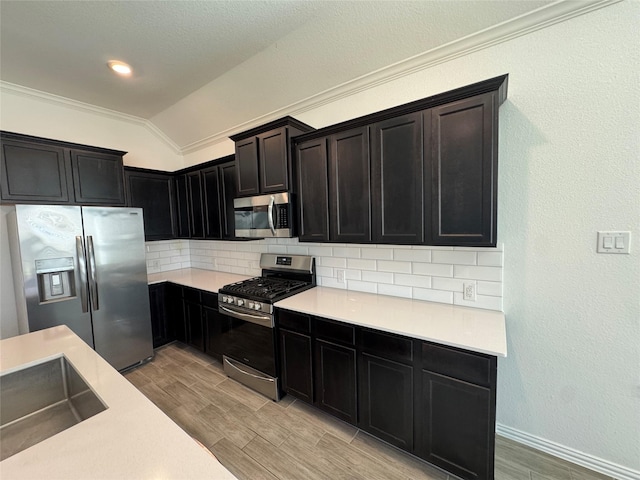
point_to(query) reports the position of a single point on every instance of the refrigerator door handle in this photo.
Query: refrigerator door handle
(82, 265)
(93, 281)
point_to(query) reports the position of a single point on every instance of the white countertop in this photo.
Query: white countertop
(469, 328)
(208, 280)
(132, 439)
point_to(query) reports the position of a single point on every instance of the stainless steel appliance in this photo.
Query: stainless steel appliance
(264, 216)
(84, 267)
(249, 341)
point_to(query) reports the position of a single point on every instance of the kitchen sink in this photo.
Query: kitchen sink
(40, 401)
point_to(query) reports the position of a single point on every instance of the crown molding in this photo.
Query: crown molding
(58, 100)
(535, 20)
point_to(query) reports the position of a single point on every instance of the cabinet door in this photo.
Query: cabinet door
(154, 193)
(273, 160)
(216, 324)
(211, 184)
(182, 207)
(296, 364)
(247, 165)
(159, 325)
(464, 164)
(176, 325)
(398, 180)
(458, 426)
(386, 400)
(311, 168)
(97, 178)
(228, 184)
(196, 217)
(349, 187)
(34, 173)
(195, 325)
(336, 380)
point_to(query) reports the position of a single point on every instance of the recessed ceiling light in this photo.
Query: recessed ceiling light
(120, 68)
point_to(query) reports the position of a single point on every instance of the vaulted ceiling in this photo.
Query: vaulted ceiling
(204, 67)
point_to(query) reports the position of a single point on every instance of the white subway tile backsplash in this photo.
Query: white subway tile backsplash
(434, 274)
(395, 290)
(437, 269)
(493, 274)
(361, 264)
(454, 257)
(411, 255)
(377, 253)
(392, 266)
(432, 295)
(377, 277)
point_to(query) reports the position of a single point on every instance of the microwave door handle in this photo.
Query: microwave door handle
(270, 215)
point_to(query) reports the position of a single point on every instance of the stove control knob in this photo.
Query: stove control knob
(250, 305)
(240, 302)
(257, 306)
(230, 300)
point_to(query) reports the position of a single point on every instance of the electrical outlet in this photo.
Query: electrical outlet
(340, 275)
(469, 292)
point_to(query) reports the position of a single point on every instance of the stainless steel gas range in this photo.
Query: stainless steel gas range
(250, 342)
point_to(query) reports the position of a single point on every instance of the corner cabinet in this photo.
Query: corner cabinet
(433, 401)
(154, 192)
(41, 170)
(263, 157)
(424, 173)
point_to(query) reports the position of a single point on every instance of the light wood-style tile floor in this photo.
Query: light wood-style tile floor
(256, 438)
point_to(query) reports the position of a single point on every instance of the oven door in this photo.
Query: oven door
(249, 342)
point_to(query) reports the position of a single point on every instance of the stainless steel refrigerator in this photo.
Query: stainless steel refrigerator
(84, 267)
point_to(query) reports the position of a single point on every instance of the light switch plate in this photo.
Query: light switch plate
(614, 242)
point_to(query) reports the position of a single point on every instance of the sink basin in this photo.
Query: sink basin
(41, 401)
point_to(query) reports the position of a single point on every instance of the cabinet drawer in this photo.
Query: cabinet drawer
(191, 295)
(338, 332)
(294, 321)
(210, 299)
(389, 346)
(460, 364)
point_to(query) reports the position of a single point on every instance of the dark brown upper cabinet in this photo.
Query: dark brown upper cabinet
(465, 171)
(228, 185)
(350, 187)
(154, 192)
(424, 173)
(398, 180)
(263, 157)
(313, 196)
(41, 170)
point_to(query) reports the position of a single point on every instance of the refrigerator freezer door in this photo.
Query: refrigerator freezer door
(45, 237)
(117, 269)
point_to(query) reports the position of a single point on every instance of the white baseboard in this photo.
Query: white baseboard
(569, 454)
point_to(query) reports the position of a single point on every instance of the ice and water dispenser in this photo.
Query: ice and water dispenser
(56, 279)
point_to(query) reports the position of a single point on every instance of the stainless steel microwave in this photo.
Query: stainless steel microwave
(263, 216)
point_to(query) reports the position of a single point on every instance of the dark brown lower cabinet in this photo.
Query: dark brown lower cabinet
(296, 359)
(215, 324)
(336, 380)
(459, 424)
(161, 328)
(386, 400)
(174, 304)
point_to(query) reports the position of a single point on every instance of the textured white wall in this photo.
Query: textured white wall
(32, 115)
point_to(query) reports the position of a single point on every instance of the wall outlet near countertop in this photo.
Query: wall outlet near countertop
(469, 291)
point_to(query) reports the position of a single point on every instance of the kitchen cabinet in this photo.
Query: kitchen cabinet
(458, 403)
(183, 229)
(193, 318)
(196, 205)
(313, 196)
(175, 312)
(263, 157)
(160, 325)
(424, 173)
(433, 401)
(154, 192)
(228, 192)
(387, 387)
(41, 170)
(398, 179)
(464, 170)
(350, 187)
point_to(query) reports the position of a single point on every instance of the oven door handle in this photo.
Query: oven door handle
(265, 321)
(272, 223)
(263, 377)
